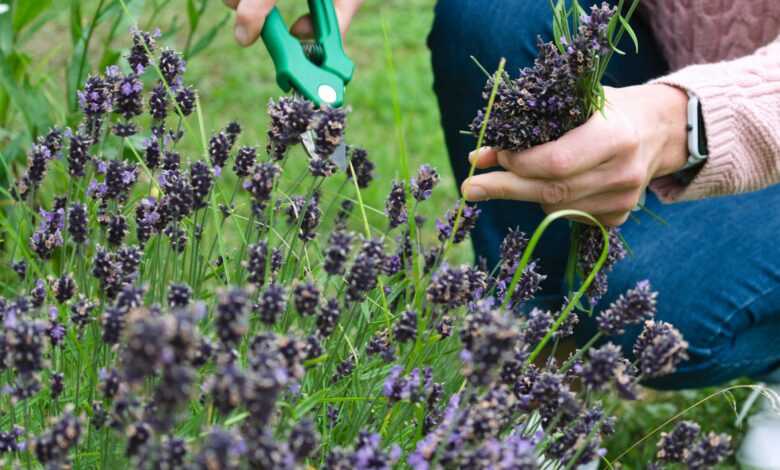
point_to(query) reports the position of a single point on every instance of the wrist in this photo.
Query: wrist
(672, 119)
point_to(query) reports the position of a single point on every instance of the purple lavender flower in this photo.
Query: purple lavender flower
(398, 387)
(9, 440)
(127, 100)
(328, 317)
(537, 325)
(379, 345)
(221, 450)
(489, 339)
(95, 99)
(454, 287)
(659, 348)
(185, 100)
(78, 155)
(20, 268)
(49, 234)
(329, 130)
(158, 102)
(362, 276)
(81, 311)
(171, 161)
(143, 44)
(201, 181)
(290, 118)
(310, 219)
(406, 327)
(24, 342)
(78, 223)
(422, 185)
(345, 368)
(271, 304)
(233, 130)
(631, 308)
(528, 285)
(337, 252)
(306, 297)
(230, 319)
(179, 295)
(322, 167)
(360, 167)
(63, 287)
(245, 161)
(38, 293)
(219, 150)
(147, 219)
(709, 451)
(303, 439)
(395, 207)
(120, 178)
(52, 447)
(256, 262)
(57, 384)
(117, 228)
(601, 366)
(512, 247)
(261, 182)
(179, 200)
(37, 160)
(466, 223)
(589, 246)
(171, 66)
(152, 152)
(675, 446)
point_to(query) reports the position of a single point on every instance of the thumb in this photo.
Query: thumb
(345, 10)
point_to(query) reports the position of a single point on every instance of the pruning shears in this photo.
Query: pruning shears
(319, 71)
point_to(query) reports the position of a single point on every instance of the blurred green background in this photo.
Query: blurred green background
(49, 46)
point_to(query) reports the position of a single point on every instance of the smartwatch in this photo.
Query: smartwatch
(697, 140)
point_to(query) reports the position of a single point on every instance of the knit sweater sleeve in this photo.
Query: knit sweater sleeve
(741, 107)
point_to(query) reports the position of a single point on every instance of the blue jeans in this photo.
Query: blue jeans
(715, 263)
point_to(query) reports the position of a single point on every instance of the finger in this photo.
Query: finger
(579, 150)
(345, 10)
(616, 202)
(233, 4)
(485, 157)
(507, 185)
(250, 17)
(303, 28)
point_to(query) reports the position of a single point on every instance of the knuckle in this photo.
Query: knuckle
(627, 202)
(555, 192)
(559, 162)
(633, 176)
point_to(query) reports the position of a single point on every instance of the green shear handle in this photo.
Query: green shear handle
(321, 84)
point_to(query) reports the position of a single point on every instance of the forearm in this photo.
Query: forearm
(741, 108)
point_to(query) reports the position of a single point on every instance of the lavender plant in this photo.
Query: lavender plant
(180, 310)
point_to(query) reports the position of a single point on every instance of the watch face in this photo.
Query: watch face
(703, 150)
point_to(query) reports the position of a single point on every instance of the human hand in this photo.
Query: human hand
(601, 167)
(250, 17)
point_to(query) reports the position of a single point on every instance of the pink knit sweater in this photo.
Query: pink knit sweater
(715, 49)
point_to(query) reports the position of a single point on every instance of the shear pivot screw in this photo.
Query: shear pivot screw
(327, 94)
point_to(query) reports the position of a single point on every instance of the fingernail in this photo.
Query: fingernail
(241, 34)
(478, 153)
(476, 193)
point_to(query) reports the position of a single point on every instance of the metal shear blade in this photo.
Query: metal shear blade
(339, 156)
